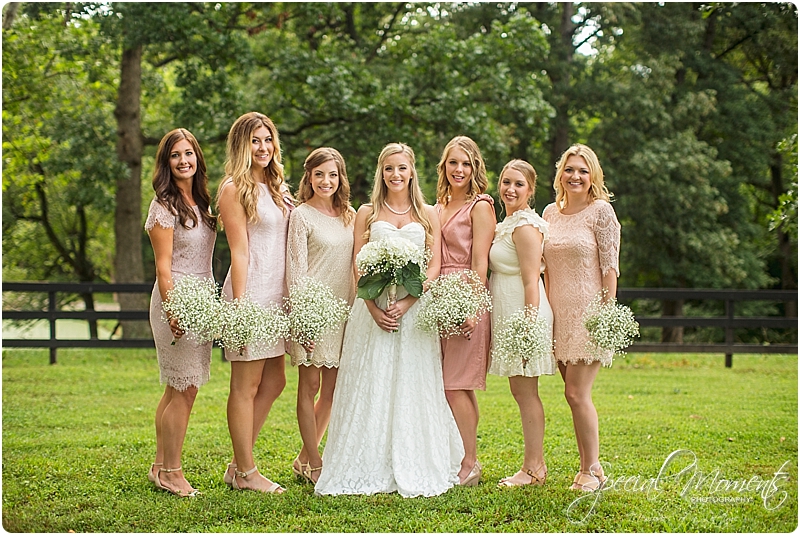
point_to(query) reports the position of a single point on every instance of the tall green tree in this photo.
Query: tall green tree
(177, 32)
(57, 177)
(669, 110)
(749, 60)
(357, 76)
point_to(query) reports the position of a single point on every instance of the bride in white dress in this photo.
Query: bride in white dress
(391, 428)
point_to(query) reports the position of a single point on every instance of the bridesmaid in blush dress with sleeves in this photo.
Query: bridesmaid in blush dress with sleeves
(182, 232)
(467, 217)
(582, 259)
(320, 246)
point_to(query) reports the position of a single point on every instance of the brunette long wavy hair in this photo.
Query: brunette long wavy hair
(168, 193)
(341, 199)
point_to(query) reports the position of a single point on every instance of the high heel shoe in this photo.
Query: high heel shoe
(537, 478)
(176, 492)
(298, 472)
(474, 476)
(273, 489)
(151, 474)
(307, 471)
(588, 481)
(228, 480)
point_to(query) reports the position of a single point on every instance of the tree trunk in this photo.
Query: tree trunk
(128, 263)
(785, 250)
(10, 13)
(560, 73)
(672, 334)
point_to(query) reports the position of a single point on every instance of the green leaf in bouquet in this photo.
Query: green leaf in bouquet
(371, 286)
(410, 271)
(413, 286)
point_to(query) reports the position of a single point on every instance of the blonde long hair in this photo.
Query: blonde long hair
(341, 198)
(239, 162)
(478, 181)
(597, 190)
(379, 190)
(526, 170)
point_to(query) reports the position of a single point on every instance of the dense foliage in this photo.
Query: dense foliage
(692, 109)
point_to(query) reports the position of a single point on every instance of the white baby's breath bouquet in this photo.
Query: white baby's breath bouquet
(195, 303)
(450, 300)
(314, 311)
(248, 324)
(390, 262)
(611, 326)
(523, 337)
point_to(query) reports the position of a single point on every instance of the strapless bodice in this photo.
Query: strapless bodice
(413, 232)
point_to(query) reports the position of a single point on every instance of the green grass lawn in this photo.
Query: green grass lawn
(78, 440)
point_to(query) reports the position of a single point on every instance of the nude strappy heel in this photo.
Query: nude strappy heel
(536, 478)
(273, 489)
(228, 480)
(176, 492)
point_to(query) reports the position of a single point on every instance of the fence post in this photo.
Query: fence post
(729, 332)
(51, 312)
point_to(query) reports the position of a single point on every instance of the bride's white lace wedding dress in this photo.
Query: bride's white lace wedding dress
(391, 428)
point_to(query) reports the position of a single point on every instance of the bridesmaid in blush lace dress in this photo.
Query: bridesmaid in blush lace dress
(320, 246)
(254, 209)
(468, 219)
(182, 231)
(582, 259)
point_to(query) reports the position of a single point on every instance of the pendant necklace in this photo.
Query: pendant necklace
(392, 210)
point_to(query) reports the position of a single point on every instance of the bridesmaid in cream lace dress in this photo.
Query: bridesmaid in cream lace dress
(582, 259)
(254, 210)
(516, 263)
(320, 246)
(182, 231)
(467, 217)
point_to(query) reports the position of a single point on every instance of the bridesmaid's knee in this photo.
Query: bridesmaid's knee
(275, 385)
(577, 397)
(308, 385)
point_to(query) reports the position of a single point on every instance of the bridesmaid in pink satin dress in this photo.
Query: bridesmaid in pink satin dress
(468, 220)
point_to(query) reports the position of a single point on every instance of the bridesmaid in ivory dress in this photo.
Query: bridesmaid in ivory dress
(182, 231)
(516, 262)
(467, 217)
(320, 246)
(582, 260)
(391, 429)
(254, 209)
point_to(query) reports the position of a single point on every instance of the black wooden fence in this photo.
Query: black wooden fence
(729, 321)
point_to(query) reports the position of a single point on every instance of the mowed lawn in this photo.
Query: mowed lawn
(78, 439)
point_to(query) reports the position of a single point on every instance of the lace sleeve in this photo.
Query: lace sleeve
(296, 249)
(606, 232)
(158, 214)
(547, 211)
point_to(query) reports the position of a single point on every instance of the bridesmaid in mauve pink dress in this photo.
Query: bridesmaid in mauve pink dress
(468, 220)
(582, 258)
